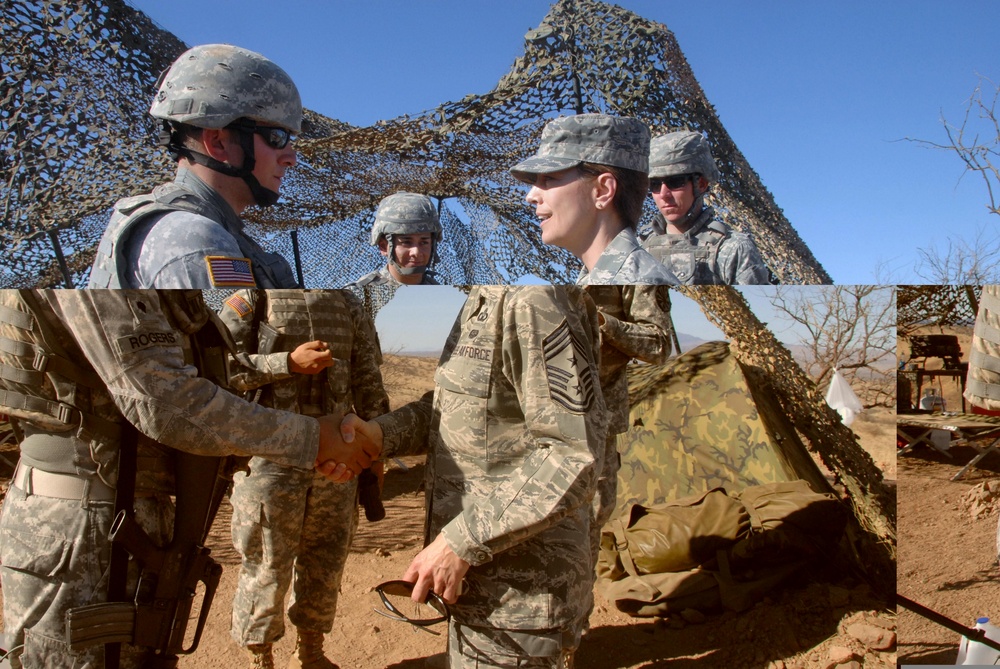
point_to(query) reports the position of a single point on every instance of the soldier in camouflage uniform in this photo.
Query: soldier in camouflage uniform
(588, 181)
(407, 232)
(312, 354)
(228, 115)
(689, 239)
(77, 365)
(517, 432)
(982, 387)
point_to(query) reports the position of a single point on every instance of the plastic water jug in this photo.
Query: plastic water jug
(975, 653)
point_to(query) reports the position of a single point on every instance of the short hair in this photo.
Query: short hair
(631, 191)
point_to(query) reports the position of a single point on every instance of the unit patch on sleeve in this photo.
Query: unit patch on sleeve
(571, 383)
(224, 271)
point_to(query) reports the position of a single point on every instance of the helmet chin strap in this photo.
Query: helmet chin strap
(262, 196)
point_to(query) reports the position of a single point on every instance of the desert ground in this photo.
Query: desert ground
(833, 621)
(947, 558)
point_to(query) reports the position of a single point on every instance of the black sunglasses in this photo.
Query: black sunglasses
(276, 138)
(396, 598)
(674, 182)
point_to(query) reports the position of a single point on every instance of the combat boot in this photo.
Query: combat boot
(309, 652)
(260, 656)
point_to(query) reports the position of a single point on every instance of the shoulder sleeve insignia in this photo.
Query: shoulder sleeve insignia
(239, 304)
(224, 271)
(571, 383)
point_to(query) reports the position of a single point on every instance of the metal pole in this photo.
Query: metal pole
(298, 257)
(61, 259)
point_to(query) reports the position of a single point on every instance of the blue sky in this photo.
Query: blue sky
(419, 318)
(818, 96)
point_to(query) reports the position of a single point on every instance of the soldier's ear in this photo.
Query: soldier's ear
(220, 145)
(383, 247)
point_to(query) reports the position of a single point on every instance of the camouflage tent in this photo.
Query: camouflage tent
(698, 422)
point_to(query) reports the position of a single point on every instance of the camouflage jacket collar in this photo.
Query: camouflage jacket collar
(227, 217)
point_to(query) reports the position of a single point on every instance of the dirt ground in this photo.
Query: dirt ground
(947, 540)
(820, 625)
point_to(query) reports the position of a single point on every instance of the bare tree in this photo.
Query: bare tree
(963, 262)
(850, 328)
(976, 141)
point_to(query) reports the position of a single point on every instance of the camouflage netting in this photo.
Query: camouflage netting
(771, 370)
(75, 137)
(917, 306)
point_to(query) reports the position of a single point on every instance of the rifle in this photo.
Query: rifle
(169, 576)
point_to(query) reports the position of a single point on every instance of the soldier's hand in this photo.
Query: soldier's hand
(437, 568)
(338, 459)
(354, 429)
(310, 358)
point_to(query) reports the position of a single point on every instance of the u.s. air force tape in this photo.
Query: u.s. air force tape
(571, 383)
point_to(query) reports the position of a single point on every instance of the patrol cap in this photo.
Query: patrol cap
(681, 152)
(406, 214)
(568, 141)
(212, 85)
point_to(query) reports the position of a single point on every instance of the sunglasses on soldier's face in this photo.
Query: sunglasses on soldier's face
(675, 182)
(276, 138)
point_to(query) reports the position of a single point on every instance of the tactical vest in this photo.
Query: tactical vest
(57, 397)
(294, 317)
(982, 387)
(270, 270)
(693, 264)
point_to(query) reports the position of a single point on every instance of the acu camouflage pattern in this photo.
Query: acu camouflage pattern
(588, 138)
(698, 426)
(289, 520)
(212, 85)
(982, 386)
(163, 240)
(406, 214)
(138, 345)
(624, 261)
(681, 152)
(517, 435)
(383, 277)
(709, 253)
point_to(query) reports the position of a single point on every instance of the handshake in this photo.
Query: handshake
(346, 446)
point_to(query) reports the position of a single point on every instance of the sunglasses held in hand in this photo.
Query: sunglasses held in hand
(397, 599)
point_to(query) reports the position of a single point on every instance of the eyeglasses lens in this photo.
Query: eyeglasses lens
(276, 138)
(675, 182)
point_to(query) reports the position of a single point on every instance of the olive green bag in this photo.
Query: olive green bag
(713, 551)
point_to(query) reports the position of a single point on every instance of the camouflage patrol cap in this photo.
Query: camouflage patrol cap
(212, 85)
(569, 141)
(406, 214)
(681, 152)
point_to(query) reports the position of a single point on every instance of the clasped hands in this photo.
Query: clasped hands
(346, 446)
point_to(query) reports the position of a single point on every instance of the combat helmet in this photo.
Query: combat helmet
(683, 152)
(225, 86)
(406, 214)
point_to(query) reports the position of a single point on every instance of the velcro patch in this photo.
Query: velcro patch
(240, 305)
(138, 341)
(571, 383)
(224, 271)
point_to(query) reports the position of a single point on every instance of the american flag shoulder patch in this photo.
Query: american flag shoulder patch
(225, 271)
(239, 304)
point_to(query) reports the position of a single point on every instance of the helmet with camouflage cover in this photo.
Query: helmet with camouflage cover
(681, 152)
(213, 85)
(406, 214)
(225, 86)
